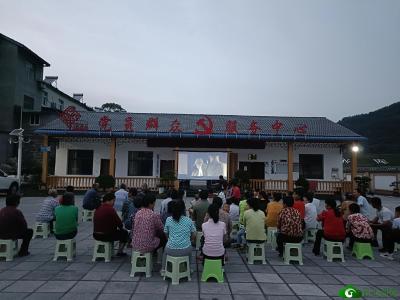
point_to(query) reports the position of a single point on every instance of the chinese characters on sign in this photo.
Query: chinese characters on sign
(254, 127)
(301, 129)
(104, 123)
(277, 126)
(70, 116)
(231, 127)
(128, 124)
(175, 126)
(152, 123)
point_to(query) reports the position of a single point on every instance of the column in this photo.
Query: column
(45, 156)
(113, 146)
(290, 166)
(354, 152)
(176, 182)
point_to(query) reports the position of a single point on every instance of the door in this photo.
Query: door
(232, 164)
(166, 166)
(104, 166)
(256, 170)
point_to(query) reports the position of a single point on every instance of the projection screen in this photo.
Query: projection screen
(202, 165)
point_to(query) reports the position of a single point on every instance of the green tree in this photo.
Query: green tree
(112, 107)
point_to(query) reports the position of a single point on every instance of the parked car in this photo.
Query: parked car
(8, 182)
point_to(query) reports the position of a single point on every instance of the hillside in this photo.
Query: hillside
(381, 127)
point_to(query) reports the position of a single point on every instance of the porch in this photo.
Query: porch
(85, 182)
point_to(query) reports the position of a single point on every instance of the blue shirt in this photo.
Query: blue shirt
(179, 233)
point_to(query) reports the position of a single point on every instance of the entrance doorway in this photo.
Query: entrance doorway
(255, 169)
(166, 166)
(104, 166)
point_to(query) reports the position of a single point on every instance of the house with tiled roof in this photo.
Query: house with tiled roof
(142, 147)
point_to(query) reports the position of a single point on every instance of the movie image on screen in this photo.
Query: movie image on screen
(202, 165)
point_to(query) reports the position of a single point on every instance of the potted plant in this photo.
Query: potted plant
(303, 183)
(106, 182)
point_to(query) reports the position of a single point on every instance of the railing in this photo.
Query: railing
(86, 182)
(320, 187)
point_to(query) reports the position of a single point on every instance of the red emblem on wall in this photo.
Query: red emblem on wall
(128, 125)
(301, 129)
(152, 123)
(70, 117)
(175, 126)
(254, 127)
(231, 126)
(104, 123)
(204, 126)
(277, 126)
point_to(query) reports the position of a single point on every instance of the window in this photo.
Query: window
(311, 166)
(29, 102)
(140, 163)
(61, 103)
(80, 162)
(45, 98)
(30, 71)
(34, 119)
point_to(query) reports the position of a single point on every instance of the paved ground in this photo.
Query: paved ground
(38, 277)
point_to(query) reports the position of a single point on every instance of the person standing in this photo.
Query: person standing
(120, 197)
(310, 217)
(13, 225)
(362, 203)
(382, 222)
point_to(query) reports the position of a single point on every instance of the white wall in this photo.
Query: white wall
(382, 182)
(278, 151)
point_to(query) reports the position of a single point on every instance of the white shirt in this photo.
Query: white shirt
(120, 197)
(396, 224)
(234, 212)
(310, 216)
(164, 205)
(385, 214)
(364, 206)
(222, 196)
(316, 202)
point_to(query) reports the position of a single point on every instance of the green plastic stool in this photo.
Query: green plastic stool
(212, 269)
(362, 250)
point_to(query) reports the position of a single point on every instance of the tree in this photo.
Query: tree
(112, 107)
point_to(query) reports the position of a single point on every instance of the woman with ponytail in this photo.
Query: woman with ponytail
(332, 223)
(213, 232)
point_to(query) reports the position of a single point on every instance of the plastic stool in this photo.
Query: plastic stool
(309, 235)
(199, 235)
(41, 230)
(212, 269)
(362, 250)
(148, 263)
(235, 229)
(87, 215)
(8, 249)
(271, 236)
(103, 250)
(174, 272)
(253, 256)
(65, 248)
(333, 250)
(287, 254)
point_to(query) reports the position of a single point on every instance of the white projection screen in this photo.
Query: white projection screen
(202, 165)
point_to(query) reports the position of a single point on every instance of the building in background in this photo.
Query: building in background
(27, 100)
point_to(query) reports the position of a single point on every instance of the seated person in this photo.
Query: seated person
(130, 208)
(394, 237)
(241, 240)
(180, 231)
(344, 206)
(332, 224)
(107, 225)
(254, 220)
(13, 224)
(164, 212)
(223, 217)
(213, 233)
(91, 200)
(357, 226)
(233, 209)
(310, 216)
(299, 204)
(362, 202)
(200, 210)
(46, 212)
(289, 225)
(382, 222)
(263, 201)
(66, 216)
(273, 210)
(120, 197)
(148, 231)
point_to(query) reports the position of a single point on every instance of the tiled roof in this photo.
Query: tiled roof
(72, 123)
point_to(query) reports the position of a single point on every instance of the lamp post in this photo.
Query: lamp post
(354, 151)
(19, 134)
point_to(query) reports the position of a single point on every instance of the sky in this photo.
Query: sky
(331, 58)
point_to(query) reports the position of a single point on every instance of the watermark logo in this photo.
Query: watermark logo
(350, 291)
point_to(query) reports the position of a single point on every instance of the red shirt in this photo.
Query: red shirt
(333, 225)
(106, 220)
(236, 192)
(301, 207)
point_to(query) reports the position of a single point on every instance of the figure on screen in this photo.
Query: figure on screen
(199, 168)
(215, 167)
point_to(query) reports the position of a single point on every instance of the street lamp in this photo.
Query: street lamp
(355, 148)
(19, 134)
(354, 151)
